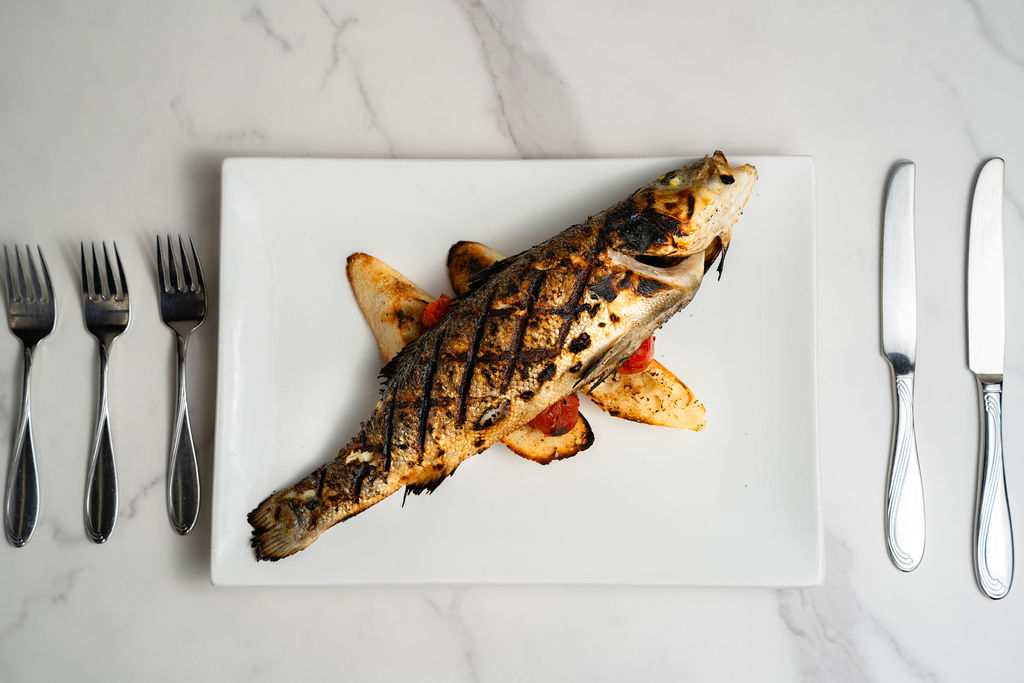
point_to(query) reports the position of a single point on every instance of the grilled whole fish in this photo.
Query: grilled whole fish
(535, 327)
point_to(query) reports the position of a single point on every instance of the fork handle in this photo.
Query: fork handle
(183, 467)
(21, 504)
(101, 480)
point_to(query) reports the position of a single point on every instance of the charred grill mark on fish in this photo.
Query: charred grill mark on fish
(471, 359)
(580, 343)
(547, 373)
(574, 303)
(320, 483)
(536, 282)
(428, 388)
(389, 424)
(357, 481)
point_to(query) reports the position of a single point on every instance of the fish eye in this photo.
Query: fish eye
(672, 179)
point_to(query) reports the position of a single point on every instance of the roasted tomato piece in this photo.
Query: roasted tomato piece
(640, 359)
(559, 418)
(435, 310)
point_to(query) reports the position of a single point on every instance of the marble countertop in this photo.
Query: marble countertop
(115, 120)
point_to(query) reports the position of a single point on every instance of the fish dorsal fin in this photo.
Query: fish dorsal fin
(387, 372)
(478, 279)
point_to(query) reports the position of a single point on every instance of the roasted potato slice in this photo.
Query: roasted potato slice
(392, 305)
(654, 396)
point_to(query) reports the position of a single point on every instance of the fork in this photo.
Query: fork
(30, 312)
(183, 308)
(107, 315)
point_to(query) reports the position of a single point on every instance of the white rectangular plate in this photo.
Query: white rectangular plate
(736, 504)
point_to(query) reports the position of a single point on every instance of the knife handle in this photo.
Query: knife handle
(993, 533)
(904, 500)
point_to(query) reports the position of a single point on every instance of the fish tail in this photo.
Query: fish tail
(291, 519)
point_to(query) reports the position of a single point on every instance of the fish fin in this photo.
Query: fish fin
(271, 540)
(466, 259)
(478, 279)
(428, 483)
(593, 374)
(387, 372)
(291, 519)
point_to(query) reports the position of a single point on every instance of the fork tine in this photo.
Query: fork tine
(111, 285)
(120, 269)
(186, 271)
(171, 266)
(48, 294)
(96, 281)
(160, 265)
(10, 280)
(85, 273)
(199, 268)
(33, 274)
(22, 284)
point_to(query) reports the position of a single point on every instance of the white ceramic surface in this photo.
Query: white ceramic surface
(116, 118)
(736, 504)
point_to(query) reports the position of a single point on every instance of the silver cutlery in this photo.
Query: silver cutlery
(107, 313)
(30, 313)
(183, 308)
(993, 533)
(904, 500)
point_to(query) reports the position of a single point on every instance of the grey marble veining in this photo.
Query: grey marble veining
(531, 102)
(116, 117)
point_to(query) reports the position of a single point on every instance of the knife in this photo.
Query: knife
(904, 499)
(993, 534)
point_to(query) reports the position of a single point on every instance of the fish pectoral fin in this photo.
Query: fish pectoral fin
(531, 443)
(478, 278)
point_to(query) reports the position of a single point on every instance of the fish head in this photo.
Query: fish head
(683, 213)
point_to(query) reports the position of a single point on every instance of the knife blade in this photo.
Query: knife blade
(904, 500)
(993, 531)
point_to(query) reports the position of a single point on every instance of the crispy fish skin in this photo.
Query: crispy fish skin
(654, 396)
(393, 305)
(536, 327)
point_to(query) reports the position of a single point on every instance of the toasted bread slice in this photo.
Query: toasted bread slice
(391, 303)
(533, 444)
(654, 396)
(393, 306)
